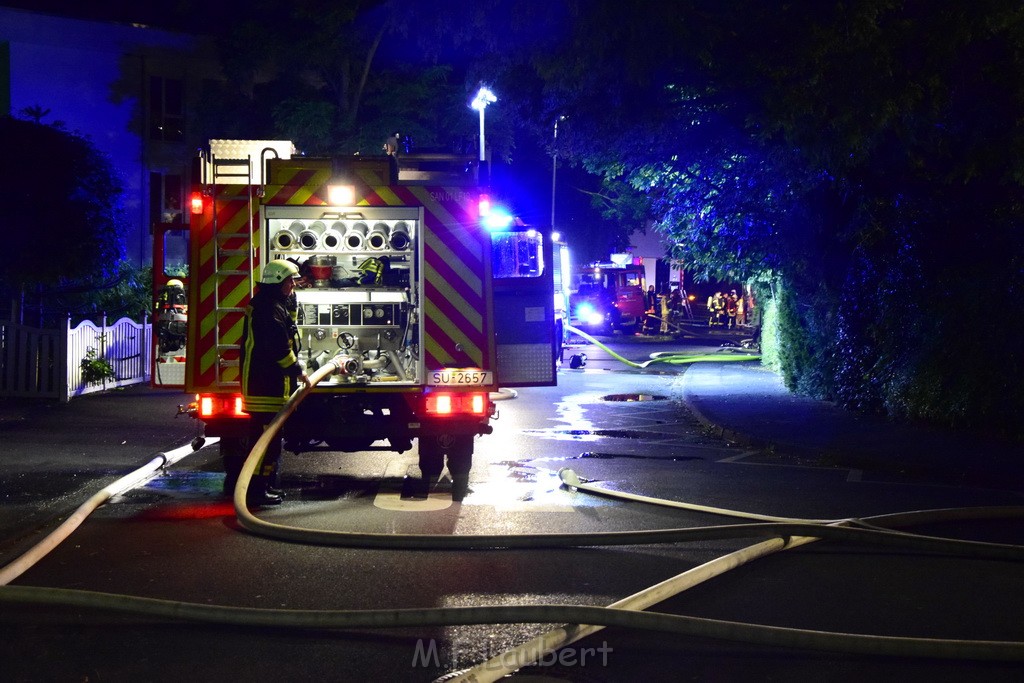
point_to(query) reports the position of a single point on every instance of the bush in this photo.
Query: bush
(95, 369)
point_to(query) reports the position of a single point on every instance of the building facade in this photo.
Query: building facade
(127, 88)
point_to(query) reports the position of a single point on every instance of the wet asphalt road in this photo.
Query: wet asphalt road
(177, 539)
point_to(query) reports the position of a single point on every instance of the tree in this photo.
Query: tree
(861, 157)
(63, 220)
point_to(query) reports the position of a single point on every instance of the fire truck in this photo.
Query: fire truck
(609, 296)
(430, 296)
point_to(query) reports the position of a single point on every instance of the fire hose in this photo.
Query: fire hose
(583, 620)
(724, 354)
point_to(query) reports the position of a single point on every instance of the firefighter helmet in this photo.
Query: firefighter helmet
(277, 272)
(176, 283)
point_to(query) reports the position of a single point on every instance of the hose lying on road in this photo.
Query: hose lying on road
(534, 650)
(725, 354)
(526, 614)
(774, 526)
(57, 536)
(583, 620)
(572, 480)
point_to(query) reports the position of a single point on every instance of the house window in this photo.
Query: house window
(166, 109)
(165, 198)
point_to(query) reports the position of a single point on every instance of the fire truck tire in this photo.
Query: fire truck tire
(431, 458)
(460, 461)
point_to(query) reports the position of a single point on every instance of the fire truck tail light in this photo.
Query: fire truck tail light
(219, 405)
(460, 403)
(442, 404)
(197, 202)
(205, 406)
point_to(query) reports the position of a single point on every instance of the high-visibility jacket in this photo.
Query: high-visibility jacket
(270, 367)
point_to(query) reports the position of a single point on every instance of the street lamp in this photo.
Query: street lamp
(483, 97)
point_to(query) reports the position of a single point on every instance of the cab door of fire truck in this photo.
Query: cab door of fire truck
(528, 338)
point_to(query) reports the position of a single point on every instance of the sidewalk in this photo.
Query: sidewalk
(749, 405)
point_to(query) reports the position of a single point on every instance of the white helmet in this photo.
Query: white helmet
(176, 283)
(278, 271)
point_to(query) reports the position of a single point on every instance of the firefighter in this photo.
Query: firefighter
(270, 373)
(392, 147)
(731, 307)
(170, 316)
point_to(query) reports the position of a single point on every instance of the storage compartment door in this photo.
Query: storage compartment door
(524, 308)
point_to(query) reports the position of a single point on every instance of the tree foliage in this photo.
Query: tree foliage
(63, 219)
(861, 155)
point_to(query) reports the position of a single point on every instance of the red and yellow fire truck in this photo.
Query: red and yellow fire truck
(432, 297)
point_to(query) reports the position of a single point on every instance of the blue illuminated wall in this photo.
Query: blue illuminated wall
(95, 78)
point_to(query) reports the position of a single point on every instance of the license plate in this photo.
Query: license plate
(461, 378)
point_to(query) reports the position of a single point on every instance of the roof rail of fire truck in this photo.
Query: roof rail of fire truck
(232, 161)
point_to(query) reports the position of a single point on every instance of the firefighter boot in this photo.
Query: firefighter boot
(270, 473)
(259, 496)
(274, 483)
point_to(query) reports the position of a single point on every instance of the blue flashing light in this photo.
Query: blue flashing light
(497, 219)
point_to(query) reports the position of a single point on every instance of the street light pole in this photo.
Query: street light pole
(554, 169)
(483, 97)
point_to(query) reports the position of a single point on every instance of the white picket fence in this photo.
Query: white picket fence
(47, 363)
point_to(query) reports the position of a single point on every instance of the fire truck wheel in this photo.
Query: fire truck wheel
(233, 447)
(460, 461)
(431, 458)
(460, 487)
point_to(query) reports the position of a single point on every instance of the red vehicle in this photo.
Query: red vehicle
(609, 297)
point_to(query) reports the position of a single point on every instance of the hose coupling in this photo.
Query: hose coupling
(345, 364)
